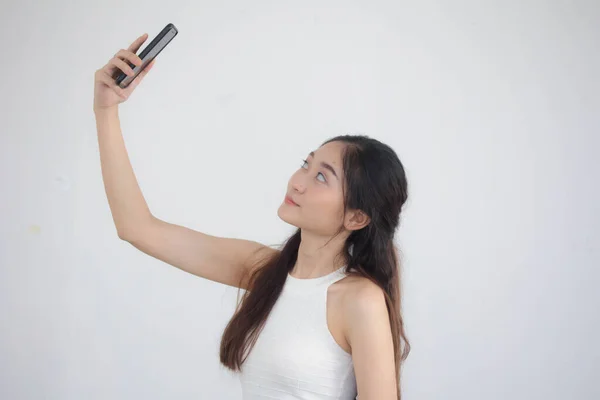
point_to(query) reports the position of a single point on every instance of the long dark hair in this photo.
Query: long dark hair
(375, 182)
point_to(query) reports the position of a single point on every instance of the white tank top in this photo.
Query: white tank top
(295, 355)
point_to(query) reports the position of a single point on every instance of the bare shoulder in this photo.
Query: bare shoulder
(345, 298)
(360, 301)
(355, 290)
(368, 333)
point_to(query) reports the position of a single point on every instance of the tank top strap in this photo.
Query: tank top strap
(336, 276)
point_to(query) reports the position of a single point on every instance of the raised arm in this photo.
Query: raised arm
(224, 260)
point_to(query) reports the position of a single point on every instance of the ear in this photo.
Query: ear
(356, 219)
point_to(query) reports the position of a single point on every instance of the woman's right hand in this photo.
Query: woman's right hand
(107, 93)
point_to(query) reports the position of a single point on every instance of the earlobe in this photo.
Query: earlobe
(358, 220)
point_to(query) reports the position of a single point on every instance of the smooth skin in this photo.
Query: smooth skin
(356, 310)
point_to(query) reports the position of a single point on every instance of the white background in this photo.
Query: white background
(492, 106)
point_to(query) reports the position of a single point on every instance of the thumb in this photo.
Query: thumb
(142, 74)
(147, 69)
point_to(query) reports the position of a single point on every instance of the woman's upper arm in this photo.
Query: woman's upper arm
(368, 331)
(219, 259)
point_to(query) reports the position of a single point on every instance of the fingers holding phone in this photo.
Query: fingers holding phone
(115, 81)
(107, 92)
(124, 79)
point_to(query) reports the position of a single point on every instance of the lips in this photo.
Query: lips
(289, 200)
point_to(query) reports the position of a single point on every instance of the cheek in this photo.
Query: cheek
(327, 206)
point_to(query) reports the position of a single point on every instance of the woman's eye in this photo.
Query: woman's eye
(306, 162)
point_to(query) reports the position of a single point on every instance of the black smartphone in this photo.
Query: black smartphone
(148, 54)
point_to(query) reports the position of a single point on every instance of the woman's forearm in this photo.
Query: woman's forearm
(127, 204)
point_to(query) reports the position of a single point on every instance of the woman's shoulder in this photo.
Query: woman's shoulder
(359, 301)
(356, 284)
(356, 290)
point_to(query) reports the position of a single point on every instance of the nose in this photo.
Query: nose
(299, 187)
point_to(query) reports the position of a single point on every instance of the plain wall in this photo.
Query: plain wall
(492, 106)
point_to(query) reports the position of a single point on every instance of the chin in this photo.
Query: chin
(286, 217)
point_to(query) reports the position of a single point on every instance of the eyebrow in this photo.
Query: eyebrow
(325, 165)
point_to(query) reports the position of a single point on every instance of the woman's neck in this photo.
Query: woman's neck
(316, 258)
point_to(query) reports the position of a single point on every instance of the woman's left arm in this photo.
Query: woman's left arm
(369, 334)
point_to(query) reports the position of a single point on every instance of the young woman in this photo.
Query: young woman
(320, 318)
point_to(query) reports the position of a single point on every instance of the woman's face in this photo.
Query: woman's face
(316, 188)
